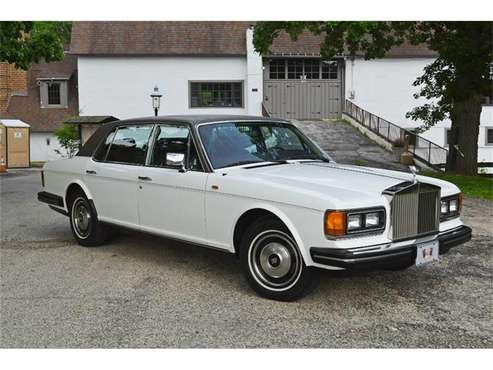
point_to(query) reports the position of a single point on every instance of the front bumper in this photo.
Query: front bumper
(377, 257)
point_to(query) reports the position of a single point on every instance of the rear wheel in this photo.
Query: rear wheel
(87, 230)
(272, 262)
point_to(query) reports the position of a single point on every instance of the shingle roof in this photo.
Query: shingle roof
(159, 38)
(194, 38)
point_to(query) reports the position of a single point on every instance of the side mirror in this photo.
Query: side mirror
(175, 159)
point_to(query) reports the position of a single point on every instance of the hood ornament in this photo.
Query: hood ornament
(413, 171)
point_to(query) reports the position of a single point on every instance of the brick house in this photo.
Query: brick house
(43, 97)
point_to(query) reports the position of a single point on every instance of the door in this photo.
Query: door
(17, 147)
(303, 88)
(113, 177)
(171, 199)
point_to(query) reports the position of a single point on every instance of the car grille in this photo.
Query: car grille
(415, 210)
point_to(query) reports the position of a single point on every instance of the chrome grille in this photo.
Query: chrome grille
(415, 210)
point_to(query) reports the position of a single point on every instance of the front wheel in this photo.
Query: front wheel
(87, 230)
(272, 262)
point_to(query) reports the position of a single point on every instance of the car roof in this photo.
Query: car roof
(93, 142)
(197, 119)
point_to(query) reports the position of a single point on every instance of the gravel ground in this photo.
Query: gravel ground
(142, 291)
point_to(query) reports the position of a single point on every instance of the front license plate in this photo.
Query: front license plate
(427, 252)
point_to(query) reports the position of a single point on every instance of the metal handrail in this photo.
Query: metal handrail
(423, 149)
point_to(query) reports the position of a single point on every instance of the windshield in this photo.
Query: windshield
(237, 143)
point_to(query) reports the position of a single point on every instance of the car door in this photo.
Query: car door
(112, 175)
(171, 198)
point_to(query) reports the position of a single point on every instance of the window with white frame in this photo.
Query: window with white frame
(53, 93)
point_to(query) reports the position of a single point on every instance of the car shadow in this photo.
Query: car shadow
(223, 269)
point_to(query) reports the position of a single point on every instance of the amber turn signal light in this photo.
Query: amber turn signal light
(335, 223)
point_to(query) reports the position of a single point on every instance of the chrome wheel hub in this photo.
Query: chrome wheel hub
(81, 218)
(275, 260)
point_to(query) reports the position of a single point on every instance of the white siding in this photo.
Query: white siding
(42, 147)
(120, 86)
(384, 87)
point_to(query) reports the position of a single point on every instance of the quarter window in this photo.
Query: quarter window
(100, 154)
(216, 94)
(130, 145)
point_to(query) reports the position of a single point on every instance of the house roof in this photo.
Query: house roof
(195, 38)
(159, 38)
(27, 107)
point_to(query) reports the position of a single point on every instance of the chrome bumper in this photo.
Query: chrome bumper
(381, 256)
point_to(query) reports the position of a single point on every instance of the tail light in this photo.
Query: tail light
(42, 179)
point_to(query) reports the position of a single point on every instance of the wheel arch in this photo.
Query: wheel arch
(249, 215)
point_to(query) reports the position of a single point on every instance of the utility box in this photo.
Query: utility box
(14, 143)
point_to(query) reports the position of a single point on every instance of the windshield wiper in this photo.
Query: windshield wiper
(240, 163)
(269, 163)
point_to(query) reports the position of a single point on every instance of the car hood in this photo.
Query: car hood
(337, 183)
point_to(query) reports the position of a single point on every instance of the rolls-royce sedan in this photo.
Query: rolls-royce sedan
(256, 187)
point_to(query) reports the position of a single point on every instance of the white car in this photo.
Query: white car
(255, 187)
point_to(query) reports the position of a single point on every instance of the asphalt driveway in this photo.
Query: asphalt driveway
(142, 291)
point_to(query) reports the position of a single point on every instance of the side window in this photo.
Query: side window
(171, 147)
(100, 154)
(130, 145)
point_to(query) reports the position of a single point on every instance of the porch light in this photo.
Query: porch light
(156, 100)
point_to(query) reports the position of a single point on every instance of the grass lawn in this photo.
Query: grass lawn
(471, 186)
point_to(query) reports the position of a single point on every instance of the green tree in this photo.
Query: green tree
(24, 43)
(68, 137)
(454, 84)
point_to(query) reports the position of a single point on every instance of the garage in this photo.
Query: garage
(303, 88)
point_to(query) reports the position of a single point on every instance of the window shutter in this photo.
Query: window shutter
(63, 94)
(43, 94)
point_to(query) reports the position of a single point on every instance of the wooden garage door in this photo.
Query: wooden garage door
(303, 88)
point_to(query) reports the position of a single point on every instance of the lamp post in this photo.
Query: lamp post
(156, 100)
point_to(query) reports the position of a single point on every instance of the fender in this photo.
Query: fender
(282, 216)
(82, 185)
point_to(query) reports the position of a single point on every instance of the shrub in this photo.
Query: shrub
(68, 137)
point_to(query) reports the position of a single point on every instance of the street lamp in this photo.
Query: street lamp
(156, 100)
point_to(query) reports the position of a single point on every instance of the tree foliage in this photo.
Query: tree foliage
(24, 43)
(453, 84)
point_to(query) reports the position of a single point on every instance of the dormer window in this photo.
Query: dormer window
(53, 93)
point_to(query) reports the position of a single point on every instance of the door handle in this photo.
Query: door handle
(144, 178)
(90, 172)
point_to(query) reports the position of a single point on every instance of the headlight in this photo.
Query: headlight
(347, 222)
(450, 207)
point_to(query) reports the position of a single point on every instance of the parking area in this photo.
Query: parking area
(144, 291)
